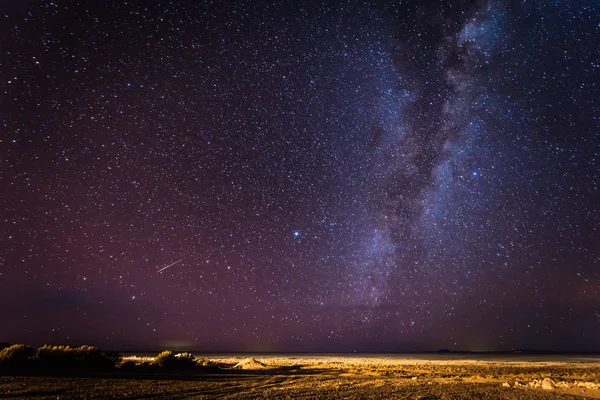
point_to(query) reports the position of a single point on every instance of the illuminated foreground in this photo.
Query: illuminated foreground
(333, 377)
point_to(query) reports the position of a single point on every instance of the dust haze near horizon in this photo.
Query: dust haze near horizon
(336, 176)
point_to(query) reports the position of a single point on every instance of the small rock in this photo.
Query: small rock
(548, 384)
(587, 385)
(506, 384)
(414, 378)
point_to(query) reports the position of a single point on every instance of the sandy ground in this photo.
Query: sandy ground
(330, 377)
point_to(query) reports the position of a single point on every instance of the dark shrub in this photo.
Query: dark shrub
(169, 360)
(56, 357)
(84, 358)
(17, 356)
(206, 363)
(113, 357)
(92, 358)
(128, 365)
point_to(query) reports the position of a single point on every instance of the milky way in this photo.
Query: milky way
(385, 176)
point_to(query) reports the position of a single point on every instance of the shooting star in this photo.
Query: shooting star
(169, 266)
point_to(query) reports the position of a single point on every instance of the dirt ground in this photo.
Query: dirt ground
(329, 378)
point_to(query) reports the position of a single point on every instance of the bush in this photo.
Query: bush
(128, 365)
(168, 359)
(82, 358)
(113, 357)
(93, 358)
(206, 363)
(58, 357)
(21, 359)
(17, 356)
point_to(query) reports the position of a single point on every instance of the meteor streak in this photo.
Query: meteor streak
(169, 266)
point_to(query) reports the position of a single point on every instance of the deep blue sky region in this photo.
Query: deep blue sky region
(301, 176)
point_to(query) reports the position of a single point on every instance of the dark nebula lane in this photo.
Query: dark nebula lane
(289, 176)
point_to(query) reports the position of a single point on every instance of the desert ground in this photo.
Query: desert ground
(331, 377)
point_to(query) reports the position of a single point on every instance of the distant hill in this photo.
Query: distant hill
(532, 351)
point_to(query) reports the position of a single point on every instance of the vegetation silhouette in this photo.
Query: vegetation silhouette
(19, 359)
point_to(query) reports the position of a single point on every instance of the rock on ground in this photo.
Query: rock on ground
(548, 384)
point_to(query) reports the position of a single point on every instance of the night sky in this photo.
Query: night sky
(300, 176)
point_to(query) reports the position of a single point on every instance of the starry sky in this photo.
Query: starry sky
(301, 176)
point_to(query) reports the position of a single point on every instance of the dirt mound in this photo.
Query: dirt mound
(250, 363)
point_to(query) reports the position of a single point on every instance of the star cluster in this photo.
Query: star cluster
(290, 176)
